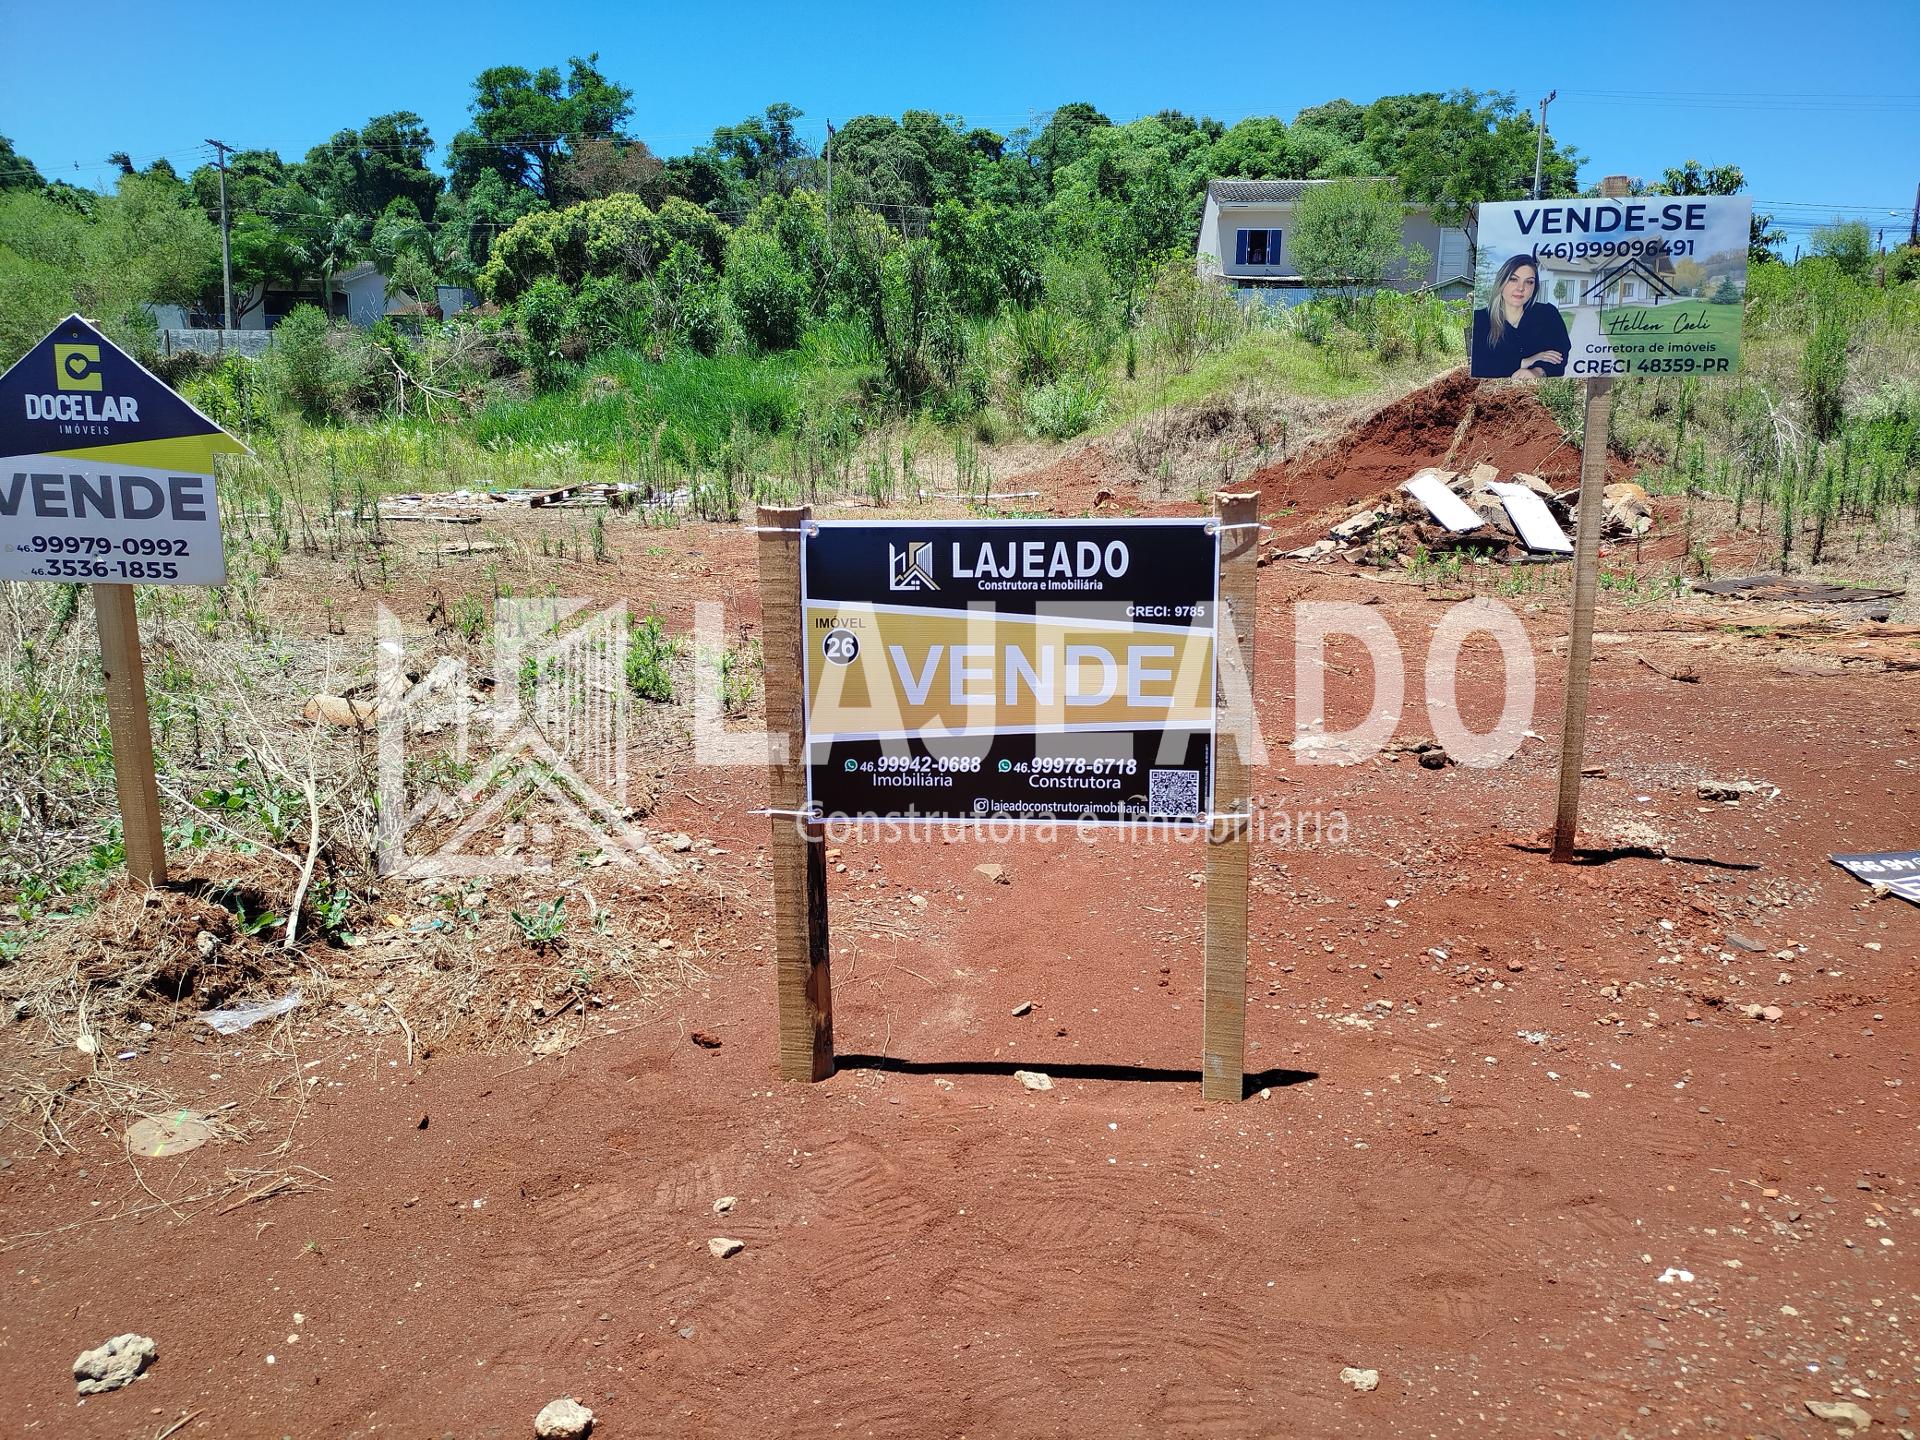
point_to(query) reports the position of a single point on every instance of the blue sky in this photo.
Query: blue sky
(1819, 104)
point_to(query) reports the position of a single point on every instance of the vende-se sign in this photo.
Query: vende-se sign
(106, 475)
(1011, 670)
(1598, 287)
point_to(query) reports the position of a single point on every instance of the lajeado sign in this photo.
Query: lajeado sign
(1050, 670)
(106, 475)
(1590, 288)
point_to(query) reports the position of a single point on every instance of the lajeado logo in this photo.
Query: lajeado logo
(76, 367)
(910, 566)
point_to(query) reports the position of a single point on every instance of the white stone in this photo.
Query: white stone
(564, 1419)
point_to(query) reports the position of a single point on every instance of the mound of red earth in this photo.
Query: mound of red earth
(1454, 423)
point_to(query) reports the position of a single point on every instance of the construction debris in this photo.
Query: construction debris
(1857, 602)
(1520, 518)
(470, 507)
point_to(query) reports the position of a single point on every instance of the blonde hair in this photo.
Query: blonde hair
(1497, 302)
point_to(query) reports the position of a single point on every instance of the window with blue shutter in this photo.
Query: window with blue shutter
(1240, 247)
(1273, 247)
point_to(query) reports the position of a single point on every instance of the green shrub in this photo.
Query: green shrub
(1063, 409)
(300, 370)
(769, 294)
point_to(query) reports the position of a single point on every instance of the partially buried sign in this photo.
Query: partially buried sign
(106, 475)
(1012, 670)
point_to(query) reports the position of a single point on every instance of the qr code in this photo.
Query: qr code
(1173, 792)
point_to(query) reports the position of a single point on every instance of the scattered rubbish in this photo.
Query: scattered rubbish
(1538, 529)
(116, 1363)
(1734, 789)
(158, 1137)
(1429, 487)
(563, 1419)
(1518, 520)
(1674, 1275)
(1897, 870)
(1625, 509)
(1033, 1079)
(242, 1017)
(1861, 602)
(724, 1248)
(1363, 1381)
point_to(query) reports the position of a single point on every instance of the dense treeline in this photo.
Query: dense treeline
(915, 263)
(546, 176)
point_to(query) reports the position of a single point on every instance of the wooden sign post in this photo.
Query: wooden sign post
(127, 723)
(1586, 584)
(875, 609)
(1229, 833)
(796, 852)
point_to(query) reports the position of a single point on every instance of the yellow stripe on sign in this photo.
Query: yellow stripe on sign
(936, 671)
(189, 454)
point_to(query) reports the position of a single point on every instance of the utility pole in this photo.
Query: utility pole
(1913, 235)
(226, 245)
(1540, 141)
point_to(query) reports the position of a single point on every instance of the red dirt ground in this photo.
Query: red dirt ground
(1493, 1101)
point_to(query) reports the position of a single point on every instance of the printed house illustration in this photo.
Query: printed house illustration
(1632, 282)
(1640, 280)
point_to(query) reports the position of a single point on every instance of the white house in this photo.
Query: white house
(1246, 240)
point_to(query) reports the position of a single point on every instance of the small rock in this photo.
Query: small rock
(339, 711)
(996, 873)
(206, 942)
(1772, 1012)
(723, 1204)
(1361, 1380)
(1033, 1079)
(680, 844)
(116, 1363)
(1841, 1412)
(1025, 1007)
(704, 1040)
(1434, 759)
(724, 1248)
(1726, 789)
(565, 1419)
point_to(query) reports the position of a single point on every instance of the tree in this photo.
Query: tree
(16, 171)
(1255, 149)
(1692, 178)
(361, 172)
(525, 121)
(1347, 234)
(1464, 148)
(879, 164)
(1063, 139)
(605, 165)
(1849, 245)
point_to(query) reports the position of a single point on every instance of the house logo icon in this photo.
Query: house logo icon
(910, 566)
(1631, 282)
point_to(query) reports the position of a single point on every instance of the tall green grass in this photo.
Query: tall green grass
(686, 409)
